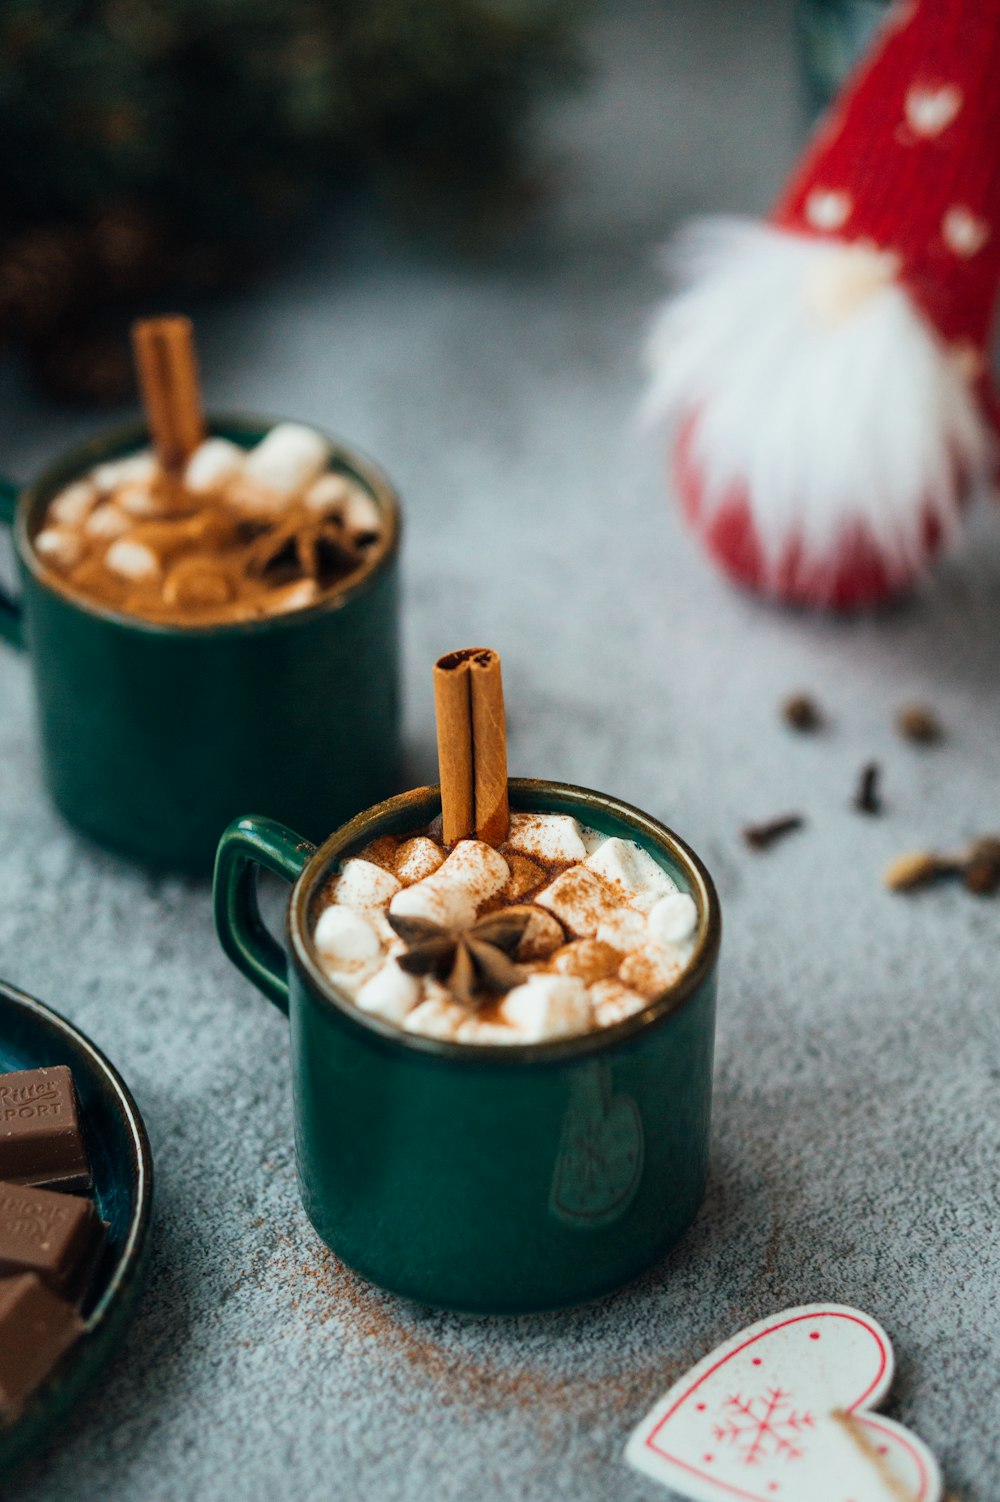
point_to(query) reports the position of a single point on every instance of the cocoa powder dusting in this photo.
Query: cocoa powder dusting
(328, 1293)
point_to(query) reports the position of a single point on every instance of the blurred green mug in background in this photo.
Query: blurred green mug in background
(153, 737)
(832, 35)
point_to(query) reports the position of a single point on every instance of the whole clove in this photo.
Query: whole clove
(987, 848)
(982, 867)
(802, 713)
(868, 798)
(763, 836)
(918, 723)
(982, 878)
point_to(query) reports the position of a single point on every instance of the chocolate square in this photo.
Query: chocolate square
(58, 1236)
(40, 1139)
(36, 1327)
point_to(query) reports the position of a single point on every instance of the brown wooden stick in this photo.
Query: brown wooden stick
(453, 709)
(489, 748)
(171, 391)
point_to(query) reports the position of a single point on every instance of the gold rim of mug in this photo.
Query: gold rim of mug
(76, 461)
(363, 827)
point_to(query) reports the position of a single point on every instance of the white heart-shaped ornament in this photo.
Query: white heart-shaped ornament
(828, 208)
(929, 111)
(780, 1414)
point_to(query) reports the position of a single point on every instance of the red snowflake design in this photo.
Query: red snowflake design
(763, 1427)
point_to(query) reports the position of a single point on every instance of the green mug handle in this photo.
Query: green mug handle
(11, 621)
(248, 843)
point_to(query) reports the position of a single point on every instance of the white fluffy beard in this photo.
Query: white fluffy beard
(807, 383)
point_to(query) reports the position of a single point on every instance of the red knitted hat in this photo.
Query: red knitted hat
(828, 372)
(909, 160)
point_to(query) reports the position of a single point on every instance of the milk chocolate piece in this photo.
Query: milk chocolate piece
(36, 1327)
(40, 1139)
(58, 1236)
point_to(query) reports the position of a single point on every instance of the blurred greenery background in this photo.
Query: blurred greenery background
(158, 148)
(153, 150)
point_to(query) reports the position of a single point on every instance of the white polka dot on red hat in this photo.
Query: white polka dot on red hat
(963, 231)
(828, 208)
(930, 110)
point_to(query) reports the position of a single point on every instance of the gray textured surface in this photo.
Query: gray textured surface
(855, 1143)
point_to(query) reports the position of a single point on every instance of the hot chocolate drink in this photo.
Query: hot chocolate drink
(198, 531)
(557, 930)
(236, 534)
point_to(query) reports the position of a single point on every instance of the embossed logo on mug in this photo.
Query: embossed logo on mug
(600, 1157)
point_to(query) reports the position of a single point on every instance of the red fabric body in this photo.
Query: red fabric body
(909, 158)
(854, 577)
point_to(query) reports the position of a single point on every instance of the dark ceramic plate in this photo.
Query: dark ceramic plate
(32, 1035)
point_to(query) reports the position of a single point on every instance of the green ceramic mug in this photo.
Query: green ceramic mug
(154, 737)
(486, 1180)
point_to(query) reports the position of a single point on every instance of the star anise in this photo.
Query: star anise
(472, 962)
(305, 544)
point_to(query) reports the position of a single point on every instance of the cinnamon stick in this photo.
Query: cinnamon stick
(472, 745)
(453, 709)
(171, 390)
(489, 748)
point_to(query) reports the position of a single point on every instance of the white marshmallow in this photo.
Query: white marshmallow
(329, 492)
(453, 894)
(132, 560)
(547, 1006)
(59, 546)
(294, 596)
(624, 929)
(672, 920)
(390, 993)
(391, 941)
(139, 500)
(346, 938)
(361, 512)
(476, 1030)
(106, 521)
(547, 837)
(542, 936)
(139, 467)
(592, 838)
(651, 969)
(107, 476)
(363, 884)
(580, 900)
(436, 1017)
(288, 458)
(418, 858)
(74, 504)
(212, 464)
(352, 980)
(525, 876)
(632, 870)
(254, 500)
(588, 959)
(613, 1002)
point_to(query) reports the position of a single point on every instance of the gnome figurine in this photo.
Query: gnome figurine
(827, 373)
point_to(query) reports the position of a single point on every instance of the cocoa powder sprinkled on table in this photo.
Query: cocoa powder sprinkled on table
(328, 1292)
